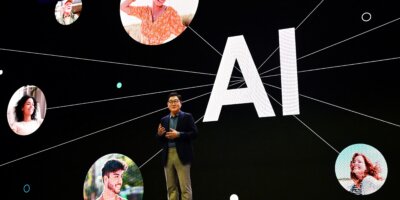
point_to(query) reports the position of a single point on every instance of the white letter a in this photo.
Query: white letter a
(236, 49)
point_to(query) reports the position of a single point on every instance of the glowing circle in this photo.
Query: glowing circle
(234, 197)
(119, 85)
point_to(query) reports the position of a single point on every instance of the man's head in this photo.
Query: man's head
(174, 102)
(68, 7)
(112, 175)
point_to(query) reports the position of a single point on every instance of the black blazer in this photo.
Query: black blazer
(188, 132)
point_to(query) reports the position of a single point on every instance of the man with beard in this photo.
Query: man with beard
(112, 178)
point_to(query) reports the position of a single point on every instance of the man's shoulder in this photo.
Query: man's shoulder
(186, 114)
(165, 117)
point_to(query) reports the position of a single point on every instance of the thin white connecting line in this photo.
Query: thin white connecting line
(339, 66)
(350, 38)
(99, 131)
(79, 138)
(208, 44)
(304, 124)
(104, 129)
(205, 41)
(295, 29)
(340, 107)
(148, 160)
(107, 62)
(309, 14)
(132, 96)
(194, 122)
(337, 43)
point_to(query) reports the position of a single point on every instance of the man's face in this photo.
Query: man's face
(174, 105)
(68, 7)
(114, 181)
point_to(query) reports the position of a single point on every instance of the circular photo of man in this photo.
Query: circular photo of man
(68, 11)
(155, 22)
(113, 176)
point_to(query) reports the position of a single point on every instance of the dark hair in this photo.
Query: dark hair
(173, 94)
(19, 115)
(112, 166)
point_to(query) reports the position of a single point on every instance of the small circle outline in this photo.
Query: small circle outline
(364, 19)
(26, 188)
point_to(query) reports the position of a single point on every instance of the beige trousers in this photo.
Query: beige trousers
(177, 177)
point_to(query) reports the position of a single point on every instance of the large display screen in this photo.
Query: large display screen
(196, 99)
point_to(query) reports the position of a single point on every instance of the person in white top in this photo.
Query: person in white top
(64, 13)
(365, 175)
(26, 120)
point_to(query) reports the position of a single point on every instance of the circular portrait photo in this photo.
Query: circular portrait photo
(155, 22)
(68, 11)
(113, 176)
(361, 169)
(26, 110)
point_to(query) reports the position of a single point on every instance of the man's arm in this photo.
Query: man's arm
(191, 132)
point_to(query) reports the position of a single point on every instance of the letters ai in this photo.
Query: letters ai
(236, 49)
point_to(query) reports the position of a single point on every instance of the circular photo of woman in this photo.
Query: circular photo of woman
(26, 110)
(68, 11)
(155, 22)
(113, 176)
(361, 169)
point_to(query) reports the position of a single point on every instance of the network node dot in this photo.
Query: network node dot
(234, 197)
(119, 85)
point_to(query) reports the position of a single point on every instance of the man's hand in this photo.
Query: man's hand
(161, 130)
(172, 134)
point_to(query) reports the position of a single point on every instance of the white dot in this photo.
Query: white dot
(1, 72)
(234, 197)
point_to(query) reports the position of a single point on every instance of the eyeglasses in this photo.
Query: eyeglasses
(173, 101)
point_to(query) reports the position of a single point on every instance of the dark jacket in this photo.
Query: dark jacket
(188, 131)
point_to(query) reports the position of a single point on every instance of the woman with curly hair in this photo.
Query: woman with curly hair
(26, 119)
(365, 175)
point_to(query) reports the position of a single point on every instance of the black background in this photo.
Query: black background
(255, 158)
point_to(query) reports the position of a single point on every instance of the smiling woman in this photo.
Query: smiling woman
(26, 110)
(367, 171)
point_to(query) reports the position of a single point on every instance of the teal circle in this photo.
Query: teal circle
(119, 85)
(27, 188)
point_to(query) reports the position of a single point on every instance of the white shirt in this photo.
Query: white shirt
(25, 128)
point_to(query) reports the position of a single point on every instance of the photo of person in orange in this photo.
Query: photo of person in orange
(159, 23)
